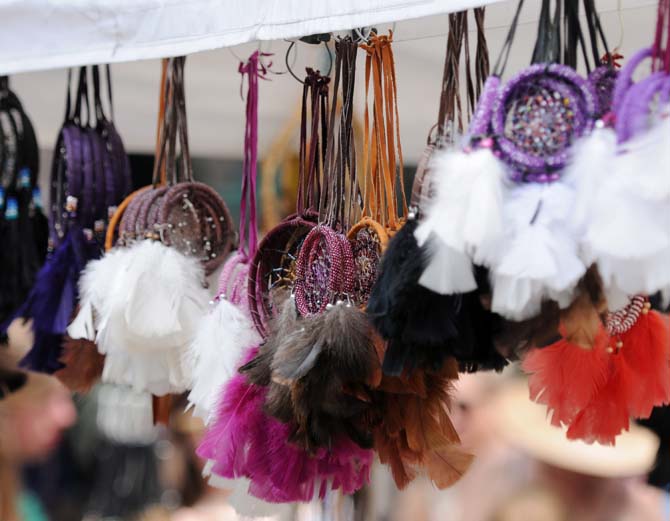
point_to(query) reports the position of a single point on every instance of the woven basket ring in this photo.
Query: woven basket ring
(195, 220)
(273, 264)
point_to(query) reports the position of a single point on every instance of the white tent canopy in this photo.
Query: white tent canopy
(44, 34)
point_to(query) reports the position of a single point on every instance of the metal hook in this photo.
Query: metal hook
(362, 34)
(288, 65)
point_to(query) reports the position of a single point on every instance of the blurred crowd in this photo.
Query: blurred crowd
(56, 465)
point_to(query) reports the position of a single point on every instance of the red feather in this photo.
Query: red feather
(606, 415)
(646, 352)
(566, 375)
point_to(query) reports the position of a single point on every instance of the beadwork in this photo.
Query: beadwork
(620, 321)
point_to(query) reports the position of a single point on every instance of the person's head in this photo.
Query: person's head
(532, 504)
(33, 417)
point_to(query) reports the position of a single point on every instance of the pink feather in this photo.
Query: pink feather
(244, 442)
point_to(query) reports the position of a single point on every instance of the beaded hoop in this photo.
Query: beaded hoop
(147, 213)
(634, 115)
(114, 228)
(536, 118)
(368, 240)
(324, 268)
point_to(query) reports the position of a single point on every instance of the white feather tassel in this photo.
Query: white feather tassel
(448, 270)
(628, 234)
(591, 164)
(463, 221)
(466, 212)
(166, 292)
(147, 302)
(125, 416)
(214, 355)
(541, 259)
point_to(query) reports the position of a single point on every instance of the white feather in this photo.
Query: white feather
(644, 162)
(150, 312)
(466, 212)
(125, 416)
(165, 290)
(541, 257)
(627, 202)
(214, 354)
(463, 221)
(448, 271)
(591, 164)
(244, 503)
(83, 325)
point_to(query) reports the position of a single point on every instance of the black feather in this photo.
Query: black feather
(424, 328)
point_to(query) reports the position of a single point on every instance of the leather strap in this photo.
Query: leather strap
(382, 160)
(313, 140)
(253, 69)
(661, 56)
(340, 167)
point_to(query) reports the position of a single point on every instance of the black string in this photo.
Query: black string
(501, 63)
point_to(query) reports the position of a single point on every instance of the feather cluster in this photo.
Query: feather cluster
(519, 232)
(141, 306)
(53, 299)
(319, 371)
(422, 327)
(215, 353)
(246, 442)
(412, 430)
(593, 380)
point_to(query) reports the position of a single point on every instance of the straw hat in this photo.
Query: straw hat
(525, 425)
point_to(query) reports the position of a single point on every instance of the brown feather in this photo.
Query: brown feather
(83, 364)
(514, 339)
(413, 432)
(328, 362)
(258, 370)
(582, 321)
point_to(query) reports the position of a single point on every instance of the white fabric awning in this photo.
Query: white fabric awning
(47, 34)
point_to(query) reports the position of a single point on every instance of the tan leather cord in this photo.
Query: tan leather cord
(382, 152)
(161, 116)
(118, 214)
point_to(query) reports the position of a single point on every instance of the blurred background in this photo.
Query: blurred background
(67, 470)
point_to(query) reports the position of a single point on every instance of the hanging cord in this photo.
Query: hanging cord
(187, 165)
(160, 174)
(482, 66)
(382, 167)
(501, 62)
(165, 124)
(340, 165)
(312, 147)
(253, 69)
(548, 41)
(661, 56)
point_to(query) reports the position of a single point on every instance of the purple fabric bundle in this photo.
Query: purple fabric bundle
(89, 176)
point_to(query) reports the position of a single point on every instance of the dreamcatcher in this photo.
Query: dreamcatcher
(23, 226)
(227, 330)
(169, 238)
(614, 344)
(89, 176)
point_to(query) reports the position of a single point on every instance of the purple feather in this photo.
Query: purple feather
(54, 296)
(245, 442)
